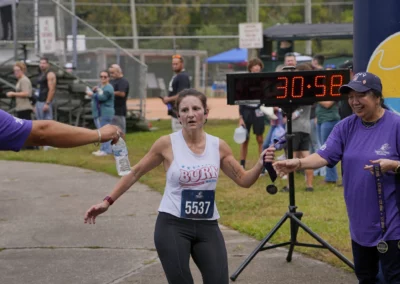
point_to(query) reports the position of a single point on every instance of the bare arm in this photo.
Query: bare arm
(313, 161)
(20, 94)
(51, 84)
(52, 133)
(170, 99)
(151, 160)
(234, 170)
(119, 94)
(327, 104)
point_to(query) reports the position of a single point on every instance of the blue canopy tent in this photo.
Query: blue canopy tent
(236, 55)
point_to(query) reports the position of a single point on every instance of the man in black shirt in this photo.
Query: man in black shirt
(121, 92)
(179, 82)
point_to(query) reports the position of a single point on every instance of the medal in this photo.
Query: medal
(383, 247)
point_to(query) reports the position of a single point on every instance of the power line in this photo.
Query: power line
(209, 5)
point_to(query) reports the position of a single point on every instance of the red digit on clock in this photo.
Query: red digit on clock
(338, 84)
(320, 86)
(301, 86)
(284, 87)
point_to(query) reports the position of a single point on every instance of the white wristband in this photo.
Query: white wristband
(99, 141)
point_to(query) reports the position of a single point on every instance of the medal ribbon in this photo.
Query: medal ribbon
(381, 201)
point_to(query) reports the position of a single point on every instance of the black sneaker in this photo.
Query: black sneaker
(309, 189)
(285, 189)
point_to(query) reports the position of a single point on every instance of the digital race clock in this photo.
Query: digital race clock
(286, 88)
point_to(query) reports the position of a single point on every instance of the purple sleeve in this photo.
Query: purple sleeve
(332, 150)
(13, 131)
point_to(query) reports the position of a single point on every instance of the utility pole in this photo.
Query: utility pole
(36, 25)
(253, 11)
(308, 20)
(134, 25)
(74, 35)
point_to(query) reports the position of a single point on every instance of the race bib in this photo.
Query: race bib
(258, 112)
(197, 204)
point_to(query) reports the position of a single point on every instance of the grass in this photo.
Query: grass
(250, 211)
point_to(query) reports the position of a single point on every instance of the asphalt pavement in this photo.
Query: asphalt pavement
(43, 239)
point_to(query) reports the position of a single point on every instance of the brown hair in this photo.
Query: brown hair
(21, 65)
(178, 56)
(254, 62)
(304, 67)
(105, 71)
(191, 92)
(45, 59)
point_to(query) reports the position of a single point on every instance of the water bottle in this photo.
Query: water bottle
(121, 157)
(296, 114)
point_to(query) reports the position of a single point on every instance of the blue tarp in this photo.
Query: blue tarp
(236, 55)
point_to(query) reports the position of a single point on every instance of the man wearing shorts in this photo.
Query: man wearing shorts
(301, 127)
(251, 116)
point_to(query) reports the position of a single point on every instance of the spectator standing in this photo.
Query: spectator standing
(103, 108)
(23, 91)
(290, 59)
(179, 82)
(251, 116)
(318, 62)
(6, 18)
(46, 86)
(121, 93)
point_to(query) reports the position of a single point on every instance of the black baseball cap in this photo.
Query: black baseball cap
(362, 82)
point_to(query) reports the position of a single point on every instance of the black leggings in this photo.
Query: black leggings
(177, 238)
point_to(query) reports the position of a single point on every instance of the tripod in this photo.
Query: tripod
(293, 216)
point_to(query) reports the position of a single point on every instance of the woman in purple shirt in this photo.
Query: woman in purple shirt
(368, 145)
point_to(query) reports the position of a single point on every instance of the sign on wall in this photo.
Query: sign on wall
(250, 35)
(47, 35)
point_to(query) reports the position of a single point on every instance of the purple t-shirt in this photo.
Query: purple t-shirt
(13, 131)
(355, 145)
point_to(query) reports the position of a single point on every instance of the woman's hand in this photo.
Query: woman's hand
(94, 211)
(386, 165)
(10, 94)
(241, 122)
(267, 156)
(111, 132)
(287, 166)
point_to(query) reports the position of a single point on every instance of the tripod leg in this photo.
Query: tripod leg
(294, 229)
(322, 242)
(258, 248)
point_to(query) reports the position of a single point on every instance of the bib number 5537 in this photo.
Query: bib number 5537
(197, 207)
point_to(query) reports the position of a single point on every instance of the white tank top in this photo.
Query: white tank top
(191, 180)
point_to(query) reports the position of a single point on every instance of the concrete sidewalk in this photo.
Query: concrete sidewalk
(45, 241)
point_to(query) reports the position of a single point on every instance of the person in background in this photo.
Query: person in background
(344, 107)
(318, 62)
(315, 142)
(103, 108)
(289, 60)
(15, 133)
(327, 117)
(367, 144)
(179, 82)
(251, 115)
(23, 91)
(121, 93)
(301, 128)
(6, 19)
(46, 86)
